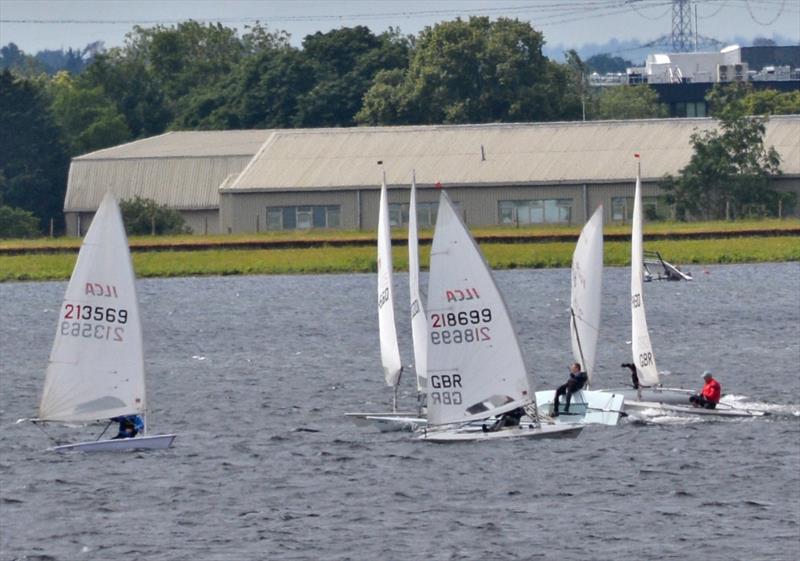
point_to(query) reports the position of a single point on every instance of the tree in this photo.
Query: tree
(145, 216)
(604, 63)
(629, 102)
(388, 100)
(772, 102)
(33, 161)
(729, 172)
(17, 223)
(87, 117)
(12, 58)
(186, 56)
(473, 71)
(346, 62)
(137, 95)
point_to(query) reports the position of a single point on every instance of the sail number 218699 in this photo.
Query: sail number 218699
(462, 327)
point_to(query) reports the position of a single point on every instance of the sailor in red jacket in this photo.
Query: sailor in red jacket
(710, 395)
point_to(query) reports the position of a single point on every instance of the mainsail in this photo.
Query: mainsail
(475, 365)
(587, 288)
(419, 322)
(641, 347)
(390, 352)
(96, 368)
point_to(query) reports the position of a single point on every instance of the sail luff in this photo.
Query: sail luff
(390, 351)
(96, 367)
(419, 322)
(641, 347)
(586, 294)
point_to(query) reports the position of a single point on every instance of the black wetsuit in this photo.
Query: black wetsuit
(575, 383)
(507, 419)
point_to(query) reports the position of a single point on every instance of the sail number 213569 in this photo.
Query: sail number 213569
(94, 322)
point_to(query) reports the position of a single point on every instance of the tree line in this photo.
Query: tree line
(195, 76)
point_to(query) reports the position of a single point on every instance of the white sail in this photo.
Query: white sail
(587, 288)
(390, 352)
(419, 321)
(96, 368)
(641, 347)
(475, 365)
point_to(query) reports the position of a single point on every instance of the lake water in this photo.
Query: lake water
(255, 374)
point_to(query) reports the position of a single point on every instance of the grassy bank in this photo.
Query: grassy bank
(363, 259)
(321, 237)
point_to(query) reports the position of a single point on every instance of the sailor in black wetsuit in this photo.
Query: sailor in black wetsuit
(577, 378)
(507, 419)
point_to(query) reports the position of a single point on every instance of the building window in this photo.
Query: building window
(622, 208)
(303, 217)
(539, 211)
(426, 214)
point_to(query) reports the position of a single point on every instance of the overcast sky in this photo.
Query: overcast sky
(36, 25)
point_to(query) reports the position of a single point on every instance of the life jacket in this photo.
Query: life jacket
(712, 391)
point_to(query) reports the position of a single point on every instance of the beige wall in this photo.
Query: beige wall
(197, 220)
(244, 212)
(247, 212)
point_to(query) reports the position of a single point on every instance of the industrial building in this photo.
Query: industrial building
(509, 174)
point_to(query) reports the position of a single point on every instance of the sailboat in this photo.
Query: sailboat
(475, 365)
(387, 330)
(586, 406)
(96, 368)
(650, 394)
(419, 320)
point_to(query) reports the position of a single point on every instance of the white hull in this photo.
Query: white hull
(676, 400)
(722, 410)
(389, 422)
(672, 396)
(586, 407)
(474, 432)
(157, 442)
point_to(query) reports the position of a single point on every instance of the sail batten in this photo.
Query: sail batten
(96, 366)
(475, 365)
(641, 347)
(390, 351)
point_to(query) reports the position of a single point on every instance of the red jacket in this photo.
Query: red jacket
(712, 390)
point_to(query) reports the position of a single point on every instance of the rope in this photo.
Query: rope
(41, 428)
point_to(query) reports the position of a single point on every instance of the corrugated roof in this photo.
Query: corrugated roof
(595, 151)
(180, 169)
(186, 144)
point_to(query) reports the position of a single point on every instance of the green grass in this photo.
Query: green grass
(321, 236)
(363, 259)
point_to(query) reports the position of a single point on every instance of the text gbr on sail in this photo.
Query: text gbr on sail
(443, 389)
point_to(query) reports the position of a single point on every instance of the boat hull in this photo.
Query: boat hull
(676, 400)
(473, 433)
(156, 442)
(722, 410)
(586, 407)
(389, 422)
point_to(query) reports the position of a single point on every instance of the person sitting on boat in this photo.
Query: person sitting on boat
(577, 378)
(507, 419)
(634, 377)
(709, 396)
(129, 426)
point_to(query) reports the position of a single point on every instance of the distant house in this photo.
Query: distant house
(508, 174)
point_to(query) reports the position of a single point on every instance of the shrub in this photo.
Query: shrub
(145, 216)
(18, 223)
